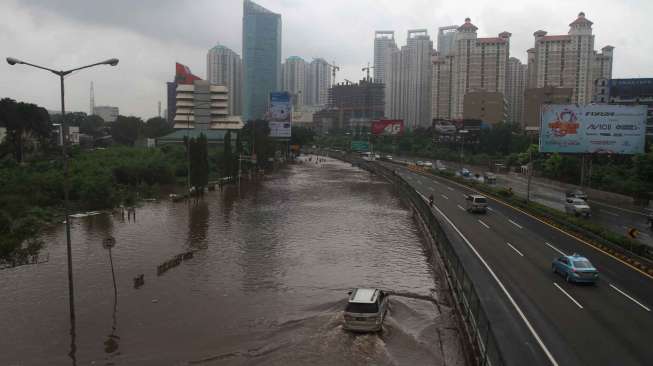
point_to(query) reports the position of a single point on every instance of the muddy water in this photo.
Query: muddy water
(266, 285)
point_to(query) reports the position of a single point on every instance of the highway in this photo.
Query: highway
(610, 323)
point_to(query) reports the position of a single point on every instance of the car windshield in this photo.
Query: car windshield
(582, 263)
(357, 307)
(480, 200)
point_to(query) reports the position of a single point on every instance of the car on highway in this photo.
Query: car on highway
(365, 310)
(428, 164)
(440, 166)
(489, 178)
(577, 207)
(476, 203)
(576, 193)
(575, 268)
(388, 157)
(419, 163)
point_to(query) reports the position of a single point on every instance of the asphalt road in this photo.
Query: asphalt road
(618, 219)
(610, 323)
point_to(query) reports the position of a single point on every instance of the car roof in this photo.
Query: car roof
(577, 257)
(363, 295)
(476, 196)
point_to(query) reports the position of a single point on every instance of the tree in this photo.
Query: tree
(157, 127)
(126, 130)
(257, 135)
(227, 164)
(23, 120)
(199, 162)
(301, 136)
(92, 125)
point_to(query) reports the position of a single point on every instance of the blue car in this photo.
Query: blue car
(575, 268)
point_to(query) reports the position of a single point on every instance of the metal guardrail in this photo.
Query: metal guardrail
(474, 318)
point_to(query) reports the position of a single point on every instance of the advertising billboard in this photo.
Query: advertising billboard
(279, 116)
(592, 129)
(390, 127)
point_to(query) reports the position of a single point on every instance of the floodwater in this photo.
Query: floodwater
(266, 284)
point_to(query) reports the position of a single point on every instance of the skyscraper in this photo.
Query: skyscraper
(319, 82)
(516, 83)
(261, 58)
(384, 45)
(224, 67)
(295, 79)
(446, 39)
(409, 80)
(569, 61)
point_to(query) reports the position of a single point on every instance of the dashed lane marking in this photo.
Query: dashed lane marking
(569, 296)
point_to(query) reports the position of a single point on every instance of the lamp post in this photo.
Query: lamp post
(62, 74)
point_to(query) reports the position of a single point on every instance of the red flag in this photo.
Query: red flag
(183, 74)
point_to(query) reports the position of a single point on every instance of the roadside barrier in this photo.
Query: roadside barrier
(172, 263)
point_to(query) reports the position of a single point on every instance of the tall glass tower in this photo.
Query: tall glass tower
(261, 58)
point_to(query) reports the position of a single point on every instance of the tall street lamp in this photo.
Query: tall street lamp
(65, 139)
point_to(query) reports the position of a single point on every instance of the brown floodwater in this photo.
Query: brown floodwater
(266, 284)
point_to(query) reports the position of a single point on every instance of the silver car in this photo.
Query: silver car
(476, 203)
(577, 207)
(365, 310)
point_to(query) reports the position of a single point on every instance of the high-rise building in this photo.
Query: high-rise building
(384, 46)
(319, 80)
(534, 98)
(294, 74)
(569, 61)
(516, 83)
(488, 107)
(225, 67)
(446, 39)
(409, 81)
(627, 92)
(351, 105)
(473, 65)
(261, 58)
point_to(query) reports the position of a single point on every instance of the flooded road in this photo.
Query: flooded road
(266, 285)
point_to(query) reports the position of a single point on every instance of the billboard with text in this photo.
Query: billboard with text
(390, 127)
(592, 129)
(279, 116)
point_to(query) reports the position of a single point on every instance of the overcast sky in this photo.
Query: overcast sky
(148, 36)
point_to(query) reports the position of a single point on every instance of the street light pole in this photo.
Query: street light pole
(65, 140)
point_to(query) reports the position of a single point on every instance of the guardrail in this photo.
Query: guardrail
(473, 317)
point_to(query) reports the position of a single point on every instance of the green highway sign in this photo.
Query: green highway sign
(360, 145)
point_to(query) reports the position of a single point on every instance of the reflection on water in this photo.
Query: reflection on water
(266, 284)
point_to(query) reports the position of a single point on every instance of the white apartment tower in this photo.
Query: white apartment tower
(384, 46)
(409, 81)
(474, 64)
(204, 106)
(570, 60)
(319, 82)
(225, 67)
(294, 79)
(516, 83)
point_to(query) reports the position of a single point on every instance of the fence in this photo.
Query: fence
(474, 319)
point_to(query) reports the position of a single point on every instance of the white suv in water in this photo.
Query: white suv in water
(365, 310)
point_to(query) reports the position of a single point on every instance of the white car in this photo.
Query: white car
(420, 163)
(365, 310)
(577, 207)
(428, 164)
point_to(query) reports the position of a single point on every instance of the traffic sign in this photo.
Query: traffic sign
(360, 145)
(109, 243)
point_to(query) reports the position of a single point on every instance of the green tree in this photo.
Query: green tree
(126, 130)
(92, 126)
(157, 127)
(23, 120)
(199, 163)
(227, 164)
(301, 136)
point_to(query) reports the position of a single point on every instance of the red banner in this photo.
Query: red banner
(390, 127)
(183, 74)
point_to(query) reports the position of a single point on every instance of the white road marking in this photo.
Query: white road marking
(445, 197)
(609, 213)
(502, 286)
(569, 296)
(484, 224)
(490, 208)
(628, 296)
(461, 207)
(449, 188)
(516, 224)
(554, 248)
(515, 249)
(464, 195)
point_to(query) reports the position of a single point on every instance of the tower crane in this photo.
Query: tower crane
(334, 69)
(367, 71)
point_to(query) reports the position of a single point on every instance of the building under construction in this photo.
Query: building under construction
(351, 102)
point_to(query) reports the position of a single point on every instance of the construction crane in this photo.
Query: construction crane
(334, 69)
(367, 71)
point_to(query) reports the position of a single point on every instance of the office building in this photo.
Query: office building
(261, 58)
(638, 91)
(488, 107)
(474, 65)
(569, 61)
(384, 46)
(351, 105)
(319, 82)
(225, 67)
(534, 98)
(516, 83)
(294, 74)
(107, 113)
(446, 39)
(409, 81)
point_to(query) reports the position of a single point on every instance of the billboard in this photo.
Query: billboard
(592, 129)
(279, 116)
(391, 127)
